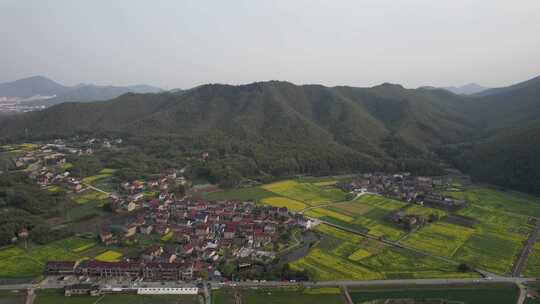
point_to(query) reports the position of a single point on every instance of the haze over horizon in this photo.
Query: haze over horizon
(357, 43)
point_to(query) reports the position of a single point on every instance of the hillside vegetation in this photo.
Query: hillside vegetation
(278, 128)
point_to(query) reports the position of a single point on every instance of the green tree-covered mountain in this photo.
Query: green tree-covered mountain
(280, 128)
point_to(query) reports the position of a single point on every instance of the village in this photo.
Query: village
(176, 238)
(158, 234)
(420, 190)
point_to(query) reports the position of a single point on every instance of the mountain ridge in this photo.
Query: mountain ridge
(286, 128)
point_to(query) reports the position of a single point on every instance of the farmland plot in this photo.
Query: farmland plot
(342, 255)
(284, 202)
(16, 261)
(305, 192)
(532, 268)
(440, 238)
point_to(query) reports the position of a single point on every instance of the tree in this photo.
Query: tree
(464, 267)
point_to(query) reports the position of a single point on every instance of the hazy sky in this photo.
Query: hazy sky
(186, 43)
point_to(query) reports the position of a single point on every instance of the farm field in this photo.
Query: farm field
(368, 213)
(424, 211)
(532, 268)
(500, 230)
(284, 202)
(109, 256)
(342, 255)
(16, 261)
(493, 294)
(57, 297)
(292, 295)
(440, 238)
(102, 180)
(512, 202)
(90, 196)
(308, 193)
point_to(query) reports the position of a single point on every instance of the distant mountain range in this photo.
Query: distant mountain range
(468, 89)
(39, 90)
(279, 128)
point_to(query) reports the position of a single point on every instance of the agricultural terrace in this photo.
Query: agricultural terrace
(493, 294)
(16, 261)
(342, 255)
(289, 295)
(307, 193)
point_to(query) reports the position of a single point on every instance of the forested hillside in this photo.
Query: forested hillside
(278, 128)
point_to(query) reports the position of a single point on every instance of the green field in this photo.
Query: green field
(291, 295)
(342, 255)
(492, 294)
(308, 193)
(16, 261)
(500, 230)
(57, 297)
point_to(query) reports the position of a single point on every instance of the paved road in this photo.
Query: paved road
(404, 282)
(527, 248)
(30, 296)
(346, 295)
(522, 294)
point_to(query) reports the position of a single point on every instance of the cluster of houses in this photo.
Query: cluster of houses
(45, 164)
(131, 195)
(198, 234)
(406, 187)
